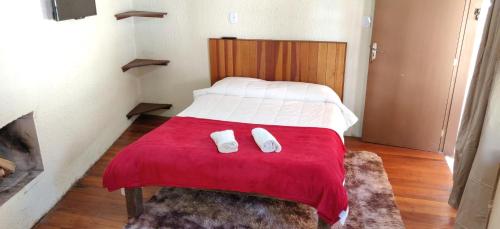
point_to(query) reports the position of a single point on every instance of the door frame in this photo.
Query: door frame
(465, 59)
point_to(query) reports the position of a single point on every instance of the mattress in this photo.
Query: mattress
(256, 101)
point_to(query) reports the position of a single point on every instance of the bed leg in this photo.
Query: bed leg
(134, 202)
(322, 224)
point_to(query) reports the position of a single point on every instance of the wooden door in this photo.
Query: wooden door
(409, 81)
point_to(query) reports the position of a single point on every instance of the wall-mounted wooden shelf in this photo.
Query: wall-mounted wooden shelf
(144, 62)
(142, 108)
(128, 14)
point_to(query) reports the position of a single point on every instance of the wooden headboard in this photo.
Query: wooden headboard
(276, 60)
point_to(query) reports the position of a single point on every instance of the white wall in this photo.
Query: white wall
(182, 37)
(69, 74)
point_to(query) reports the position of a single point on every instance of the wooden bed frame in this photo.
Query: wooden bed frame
(274, 60)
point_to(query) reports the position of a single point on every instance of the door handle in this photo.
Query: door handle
(373, 53)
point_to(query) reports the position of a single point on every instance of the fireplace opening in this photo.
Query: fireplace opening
(20, 158)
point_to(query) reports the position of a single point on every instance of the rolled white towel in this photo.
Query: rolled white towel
(225, 141)
(266, 141)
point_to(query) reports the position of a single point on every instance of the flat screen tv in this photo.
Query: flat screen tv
(73, 9)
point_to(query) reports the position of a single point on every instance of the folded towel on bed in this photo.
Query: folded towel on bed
(225, 141)
(265, 140)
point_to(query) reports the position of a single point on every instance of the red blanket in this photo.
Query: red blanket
(180, 153)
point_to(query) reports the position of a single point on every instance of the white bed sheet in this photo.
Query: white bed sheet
(268, 111)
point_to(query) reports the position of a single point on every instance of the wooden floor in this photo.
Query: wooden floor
(421, 183)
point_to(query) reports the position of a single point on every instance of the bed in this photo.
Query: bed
(307, 117)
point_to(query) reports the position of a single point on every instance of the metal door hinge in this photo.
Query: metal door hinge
(477, 13)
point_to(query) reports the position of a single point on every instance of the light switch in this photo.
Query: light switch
(233, 17)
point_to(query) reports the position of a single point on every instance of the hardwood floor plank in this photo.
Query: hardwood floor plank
(421, 182)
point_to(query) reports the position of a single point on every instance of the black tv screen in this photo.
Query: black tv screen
(73, 9)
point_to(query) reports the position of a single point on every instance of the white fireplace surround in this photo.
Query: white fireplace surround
(19, 144)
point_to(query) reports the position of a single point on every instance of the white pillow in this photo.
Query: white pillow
(257, 88)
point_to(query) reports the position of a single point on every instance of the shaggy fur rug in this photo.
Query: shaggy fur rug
(371, 204)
